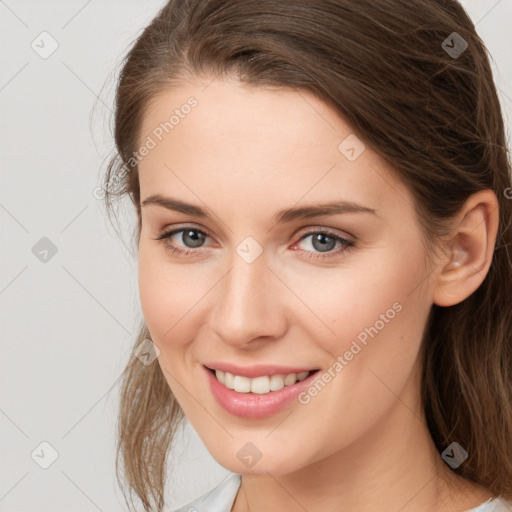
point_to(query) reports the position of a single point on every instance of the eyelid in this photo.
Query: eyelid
(324, 229)
(183, 227)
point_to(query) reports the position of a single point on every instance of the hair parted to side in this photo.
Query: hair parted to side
(435, 118)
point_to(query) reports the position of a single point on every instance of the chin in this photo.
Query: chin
(277, 463)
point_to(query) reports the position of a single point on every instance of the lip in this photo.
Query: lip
(257, 370)
(254, 405)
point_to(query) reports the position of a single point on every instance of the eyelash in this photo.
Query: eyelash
(348, 244)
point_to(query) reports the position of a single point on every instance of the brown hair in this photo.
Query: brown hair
(435, 116)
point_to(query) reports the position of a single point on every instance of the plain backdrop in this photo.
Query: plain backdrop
(68, 283)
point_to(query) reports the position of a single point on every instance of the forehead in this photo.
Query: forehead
(269, 144)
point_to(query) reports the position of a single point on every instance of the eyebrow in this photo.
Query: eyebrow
(283, 216)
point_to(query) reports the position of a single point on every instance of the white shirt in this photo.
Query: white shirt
(222, 497)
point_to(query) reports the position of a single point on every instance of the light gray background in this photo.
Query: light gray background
(68, 324)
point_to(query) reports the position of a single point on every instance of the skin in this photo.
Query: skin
(243, 154)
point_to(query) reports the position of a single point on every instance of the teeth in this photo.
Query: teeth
(259, 385)
(241, 384)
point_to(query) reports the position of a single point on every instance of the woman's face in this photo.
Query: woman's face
(264, 293)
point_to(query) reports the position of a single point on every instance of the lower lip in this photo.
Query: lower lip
(254, 405)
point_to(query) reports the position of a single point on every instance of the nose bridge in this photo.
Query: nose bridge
(245, 307)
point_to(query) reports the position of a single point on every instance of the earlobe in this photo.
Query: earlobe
(469, 250)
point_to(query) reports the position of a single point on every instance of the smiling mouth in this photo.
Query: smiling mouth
(259, 385)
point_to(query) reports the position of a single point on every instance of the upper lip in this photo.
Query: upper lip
(257, 370)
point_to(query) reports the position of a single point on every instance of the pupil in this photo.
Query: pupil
(320, 237)
(197, 238)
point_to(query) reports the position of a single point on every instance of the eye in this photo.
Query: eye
(190, 235)
(322, 240)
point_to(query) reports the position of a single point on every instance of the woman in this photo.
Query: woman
(323, 200)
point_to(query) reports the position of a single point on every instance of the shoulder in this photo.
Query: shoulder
(494, 505)
(218, 499)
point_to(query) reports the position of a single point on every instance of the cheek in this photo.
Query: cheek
(170, 294)
(387, 301)
(162, 292)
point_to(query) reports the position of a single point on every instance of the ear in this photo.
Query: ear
(468, 251)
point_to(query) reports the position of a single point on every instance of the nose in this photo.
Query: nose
(249, 304)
